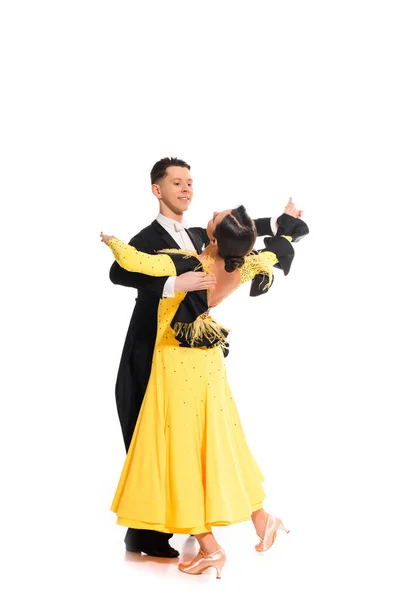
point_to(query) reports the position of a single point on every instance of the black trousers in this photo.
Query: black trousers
(133, 385)
(145, 538)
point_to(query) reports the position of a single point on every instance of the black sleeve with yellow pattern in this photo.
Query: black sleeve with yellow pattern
(278, 253)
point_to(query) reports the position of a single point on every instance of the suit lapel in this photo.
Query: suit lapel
(168, 240)
(195, 241)
(164, 236)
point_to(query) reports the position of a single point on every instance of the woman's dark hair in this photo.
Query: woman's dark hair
(235, 235)
(159, 170)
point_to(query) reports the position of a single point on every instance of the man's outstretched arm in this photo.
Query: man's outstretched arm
(269, 226)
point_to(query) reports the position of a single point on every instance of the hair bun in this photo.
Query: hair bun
(233, 262)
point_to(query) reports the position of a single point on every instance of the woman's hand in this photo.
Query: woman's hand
(106, 238)
(290, 209)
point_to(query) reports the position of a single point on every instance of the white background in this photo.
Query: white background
(265, 100)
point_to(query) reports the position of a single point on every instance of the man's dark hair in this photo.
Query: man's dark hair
(236, 235)
(159, 170)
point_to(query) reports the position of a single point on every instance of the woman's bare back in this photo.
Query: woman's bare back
(226, 282)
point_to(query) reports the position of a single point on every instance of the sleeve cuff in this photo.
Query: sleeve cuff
(169, 287)
(295, 228)
(283, 250)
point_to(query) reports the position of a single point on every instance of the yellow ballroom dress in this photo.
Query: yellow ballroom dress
(188, 467)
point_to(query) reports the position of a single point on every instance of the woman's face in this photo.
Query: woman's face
(217, 218)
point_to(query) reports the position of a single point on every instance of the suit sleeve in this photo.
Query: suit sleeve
(287, 224)
(139, 281)
(263, 226)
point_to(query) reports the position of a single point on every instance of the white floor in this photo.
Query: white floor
(293, 568)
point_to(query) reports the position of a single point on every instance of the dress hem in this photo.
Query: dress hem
(197, 529)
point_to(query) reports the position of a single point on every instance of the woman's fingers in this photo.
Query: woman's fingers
(290, 209)
(105, 238)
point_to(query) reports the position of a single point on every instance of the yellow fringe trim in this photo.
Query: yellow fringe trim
(206, 265)
(203, 327)
(186, 253)
(254, 265)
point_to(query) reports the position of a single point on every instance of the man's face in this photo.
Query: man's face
(217, 218)
(175, 190)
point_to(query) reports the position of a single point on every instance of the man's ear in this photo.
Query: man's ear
(155, 188)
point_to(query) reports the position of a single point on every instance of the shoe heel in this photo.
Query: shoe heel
(281, 526)
(204, 561)
(271, 530)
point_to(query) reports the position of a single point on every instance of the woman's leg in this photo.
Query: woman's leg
(259, 518)
(207, 542)
(266, 526)
(210, 555)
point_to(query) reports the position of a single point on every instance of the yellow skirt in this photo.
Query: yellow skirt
(189, 466)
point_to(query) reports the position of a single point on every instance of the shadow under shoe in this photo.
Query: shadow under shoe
(164, 552)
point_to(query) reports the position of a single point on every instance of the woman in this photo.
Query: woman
(188, 466)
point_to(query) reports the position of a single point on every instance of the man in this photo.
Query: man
(173, 186)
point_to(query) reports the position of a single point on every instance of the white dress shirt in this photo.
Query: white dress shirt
(177, 231)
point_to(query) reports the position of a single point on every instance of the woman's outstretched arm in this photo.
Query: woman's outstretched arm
(130, 259)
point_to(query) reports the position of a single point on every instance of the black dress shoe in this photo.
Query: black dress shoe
(165, 552)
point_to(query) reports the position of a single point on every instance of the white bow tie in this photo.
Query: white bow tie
(178, 227)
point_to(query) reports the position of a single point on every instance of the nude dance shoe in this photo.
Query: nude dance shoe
(271, 529)
(204, 561)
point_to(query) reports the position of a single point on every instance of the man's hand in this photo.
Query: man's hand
(290, 209)
(193, 281)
